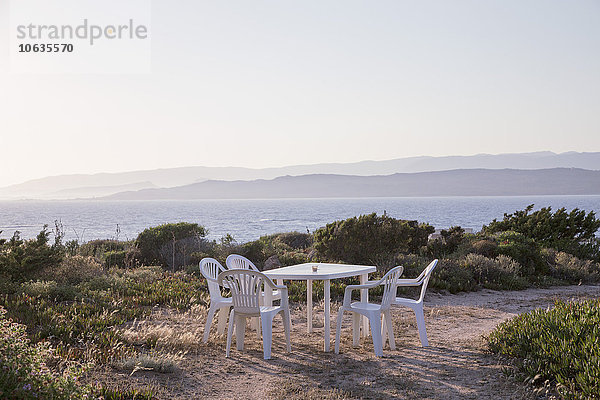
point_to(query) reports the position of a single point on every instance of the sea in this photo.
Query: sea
(247, 220)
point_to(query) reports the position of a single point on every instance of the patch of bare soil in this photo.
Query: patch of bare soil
(456, 365)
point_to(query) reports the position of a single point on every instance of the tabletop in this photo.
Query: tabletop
(324, 271)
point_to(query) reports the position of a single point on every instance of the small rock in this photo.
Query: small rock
(272, 262)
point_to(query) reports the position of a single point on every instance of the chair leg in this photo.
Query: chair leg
(267, 329)
(229, 332)
(421, 326)
(384, 335)
(375, 321)
(338, 330)
(355, 329)
(287, 326)
(388, 327)
(240, 328)
(222, 319)
(209, 318)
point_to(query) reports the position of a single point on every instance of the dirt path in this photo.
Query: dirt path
(455, 366)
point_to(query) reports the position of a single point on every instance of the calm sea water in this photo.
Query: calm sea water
(249, 219)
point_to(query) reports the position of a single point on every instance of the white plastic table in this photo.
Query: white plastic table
(325, 272)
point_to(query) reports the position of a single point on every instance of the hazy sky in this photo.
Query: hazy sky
(269, 83)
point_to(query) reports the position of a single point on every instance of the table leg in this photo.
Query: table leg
(280, 283)
(309, 306)
(327, 321)
(364, 298)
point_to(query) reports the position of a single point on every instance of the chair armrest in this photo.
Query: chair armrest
(350, 288)
(367, 285)
(408, 282)
(375, 283)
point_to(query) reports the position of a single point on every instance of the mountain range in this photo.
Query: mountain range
(462, 182)
(199, 181)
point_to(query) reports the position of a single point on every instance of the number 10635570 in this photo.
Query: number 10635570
(45, 48)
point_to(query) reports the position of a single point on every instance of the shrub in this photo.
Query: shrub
(50, 290)
(73, 270)
(170, 245)
(448, 242)
(369, 237)
(485, 247)
(559, 345)
(114, 258)
(292, 258)
(499, 273)
(524, 250)
(21, 260)
(106, 393)
(290, 248)
(571, 232)
(95, 248)
(571, 269)
(294, 240)
(256, 251)
(451, 276)
(23, 370)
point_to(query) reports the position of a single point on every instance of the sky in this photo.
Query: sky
(272, 83)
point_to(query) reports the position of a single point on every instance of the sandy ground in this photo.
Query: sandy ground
(456, 365)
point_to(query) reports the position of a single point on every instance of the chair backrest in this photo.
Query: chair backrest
(246, 287)
(235, 261)
(389, 281)
(210, 269)
(424, 277)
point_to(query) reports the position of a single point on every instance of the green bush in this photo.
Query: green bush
(451, 276)
(170, 245)
(486, 247)
(126, 393)
(290, 248)
(95, 248)
(72, 270)
(559, 345)
(524, 250)
(369, 238)
(293, 240)
(256, 251)
(448, 242)
(21, 260)
(115, 258)
(292, 258)
(568, 268)
(23, 370)
(50, 290)
(499, 273)
(573, 232)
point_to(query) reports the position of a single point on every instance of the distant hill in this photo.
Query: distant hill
(83, 185)
(472, 182)
(98, 191)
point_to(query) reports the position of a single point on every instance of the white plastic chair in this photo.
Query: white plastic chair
(417, 305)
(235, 261)
(210, 269)
(372, 311)
(246, 287)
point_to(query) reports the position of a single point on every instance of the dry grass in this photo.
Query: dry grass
(168, 330)
(294, 390)
(155, 361)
